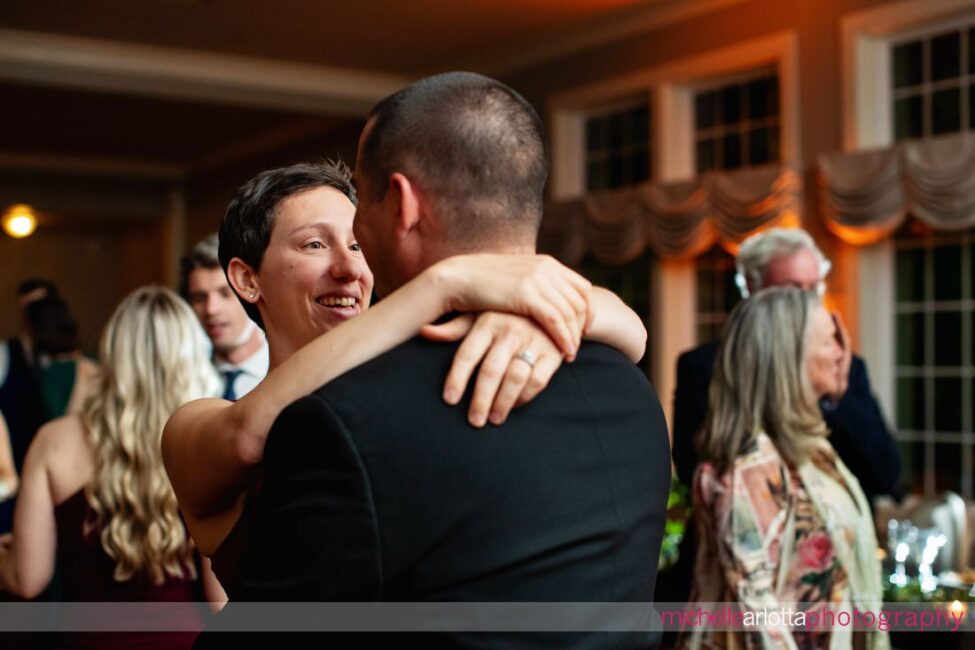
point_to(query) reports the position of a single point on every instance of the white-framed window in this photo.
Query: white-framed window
(930, 83)
(618, 145)
(717, 293)
(934, 309)
(908, 74)
(630, 281)
(933, 81)
(670, 90)
(736, 122)
(617, 155)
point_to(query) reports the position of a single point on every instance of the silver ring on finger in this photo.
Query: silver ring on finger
(528, 357)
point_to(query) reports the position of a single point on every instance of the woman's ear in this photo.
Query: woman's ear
(243, 280)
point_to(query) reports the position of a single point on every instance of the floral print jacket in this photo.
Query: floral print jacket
(778, 538)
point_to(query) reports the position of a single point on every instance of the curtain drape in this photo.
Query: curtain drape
(866, 195)
(675, 220)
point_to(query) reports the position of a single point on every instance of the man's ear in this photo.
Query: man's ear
(243, 280)
(404, 201)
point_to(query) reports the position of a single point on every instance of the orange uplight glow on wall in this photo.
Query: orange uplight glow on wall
(19, 221)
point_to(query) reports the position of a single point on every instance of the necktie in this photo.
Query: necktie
(230, 376)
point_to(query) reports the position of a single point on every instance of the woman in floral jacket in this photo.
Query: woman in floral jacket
(784, 526)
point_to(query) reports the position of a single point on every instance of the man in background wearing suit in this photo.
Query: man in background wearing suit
(790, 257)
(376, 489)
(240, 352)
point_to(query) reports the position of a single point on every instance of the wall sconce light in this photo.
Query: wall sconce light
(19, 221)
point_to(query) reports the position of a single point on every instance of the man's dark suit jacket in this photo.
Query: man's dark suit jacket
(375, 489)
(859, 433)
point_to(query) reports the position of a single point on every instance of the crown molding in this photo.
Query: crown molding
(610, 28)
(89, 166)
(112, 66)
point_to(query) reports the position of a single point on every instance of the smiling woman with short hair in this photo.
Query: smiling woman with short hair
(288, 247)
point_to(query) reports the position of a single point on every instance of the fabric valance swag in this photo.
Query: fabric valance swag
(675, 220)
(866, 195)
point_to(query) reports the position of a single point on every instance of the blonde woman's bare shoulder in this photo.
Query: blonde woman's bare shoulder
(61, 437)
(61, 450)
(88, 370)
(87, 374)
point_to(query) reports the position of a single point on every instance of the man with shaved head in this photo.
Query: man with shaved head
(376, 489)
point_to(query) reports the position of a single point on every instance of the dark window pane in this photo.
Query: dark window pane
(762, 96)
(947, 272)
(705, 291)
(971, 402)
(910, 339)
(596, 175)
(912, 466)
(705, 108)
(640, 164)
(774, 95)
(973, 351)
(945, 56)
(971, 107)
(773, 144)
(947, 339)
(731, 292)
(595, 134)
(910, 403)
(760, 145)
(616, 130)
(626, 128)
(731, 105)
(631, 281)
(732, 151)
(626, 178)
(971, 50)
(946, 111)
(948, 464)
(640, 119)
(615, 144)
(908, 118)
(947, 404)
(615, 171)
(907, 64)
(910, 275)
(708, 332)
(705, 155)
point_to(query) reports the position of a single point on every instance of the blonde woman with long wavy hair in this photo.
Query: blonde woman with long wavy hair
(783, 524)
(94, 494)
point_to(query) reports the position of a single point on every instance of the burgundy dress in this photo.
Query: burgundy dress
(86, 574)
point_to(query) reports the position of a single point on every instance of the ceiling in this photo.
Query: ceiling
(73, 124)
(171, 88)
(402, 37)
